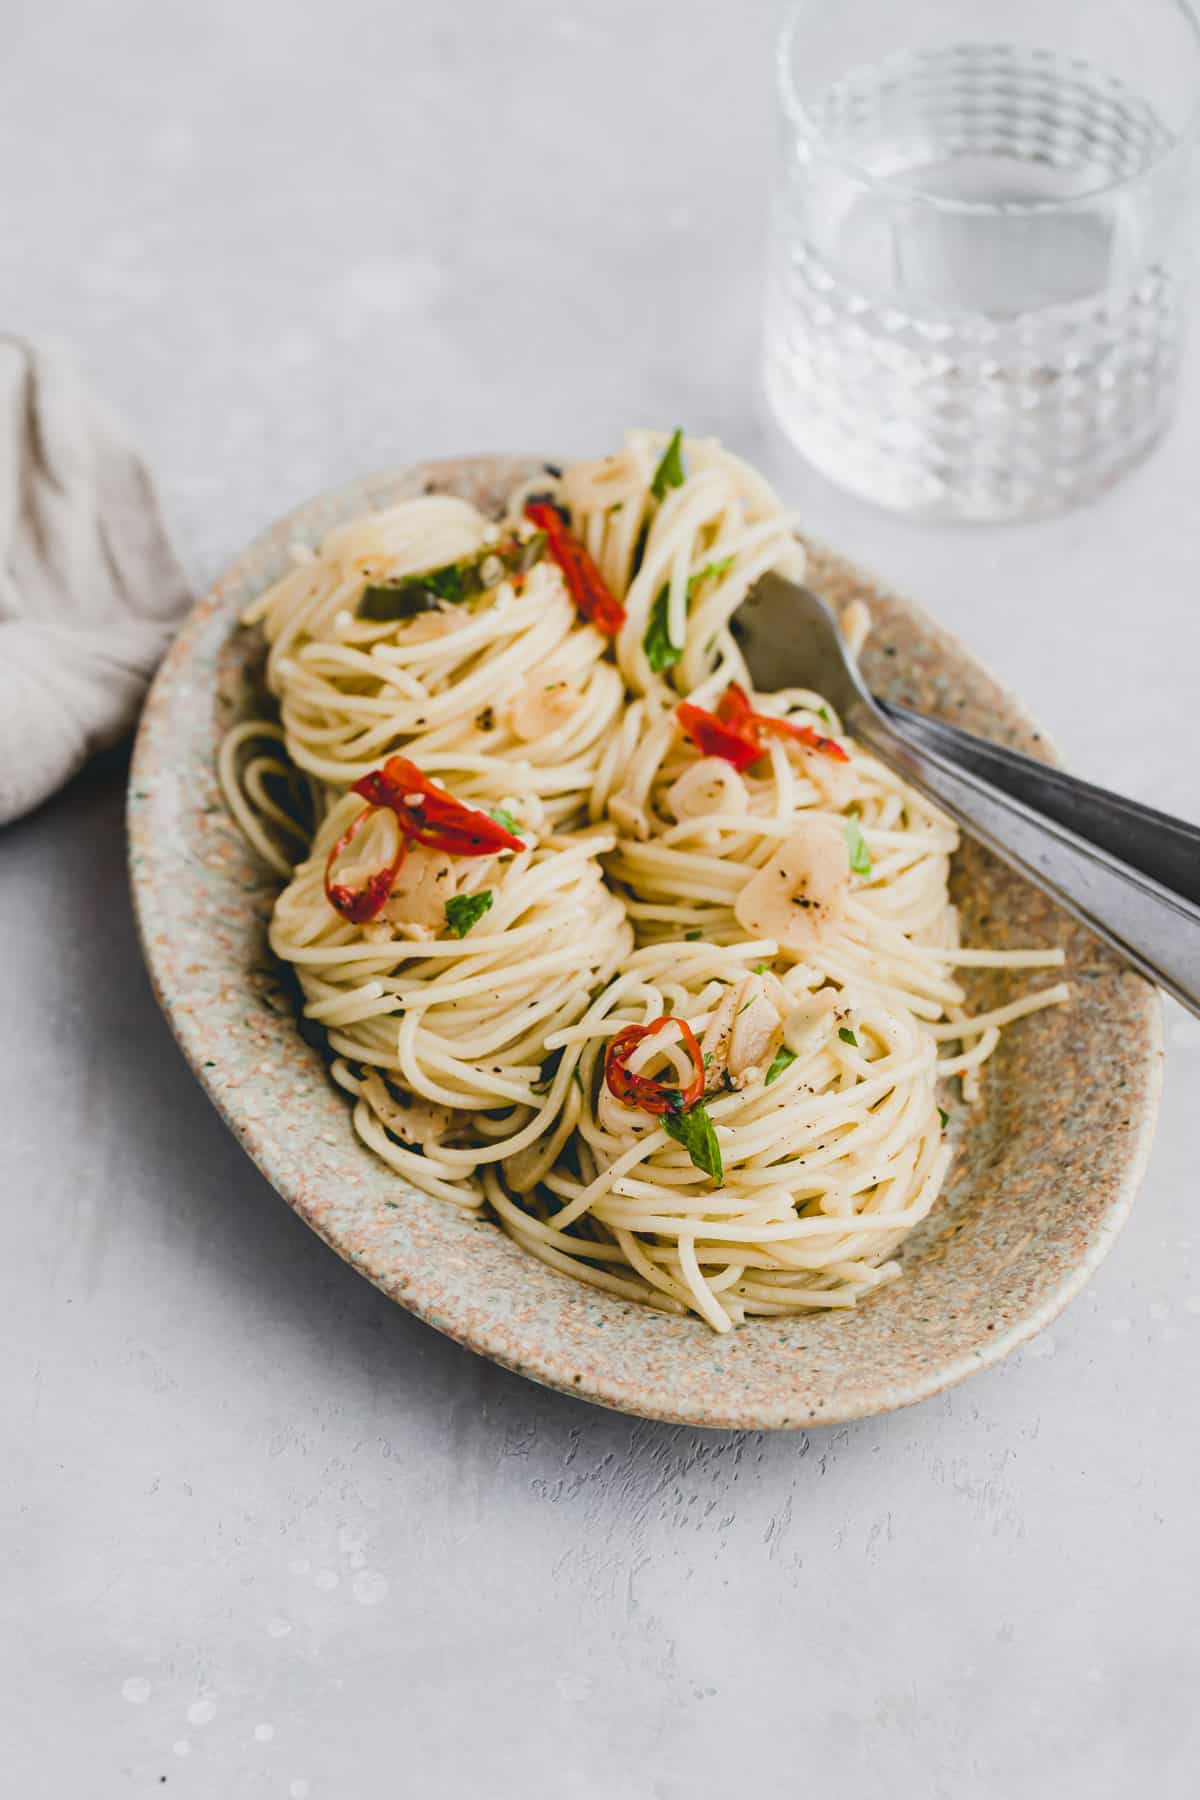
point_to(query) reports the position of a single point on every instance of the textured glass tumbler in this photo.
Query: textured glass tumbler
(980, 243)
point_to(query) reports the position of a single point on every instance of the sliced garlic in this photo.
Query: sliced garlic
(542, 707)
(757, 1033)
(708, 786)
(801, 893)
(744, 1033)
(421, 889)
(423, 627)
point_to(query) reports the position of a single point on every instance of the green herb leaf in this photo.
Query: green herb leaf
(760, 969)
(694, 1130)
(847, 1036)
(782, 1059)
(661, 653)
(944, 1116)
(453, 583)
(505, 820)
(856, 844)
(710, 572)
(824, 713)
(669, 473)
(691, 936)
(465, 910)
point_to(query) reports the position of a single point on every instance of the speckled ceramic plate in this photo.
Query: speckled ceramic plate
(1045, 1171)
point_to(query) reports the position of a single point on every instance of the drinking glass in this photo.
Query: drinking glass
(980, 243)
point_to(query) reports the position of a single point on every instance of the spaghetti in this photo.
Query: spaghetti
(659, 968)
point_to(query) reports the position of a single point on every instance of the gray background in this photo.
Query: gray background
(263, 1533)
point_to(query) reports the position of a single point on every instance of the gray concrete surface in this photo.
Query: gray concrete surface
(264, 1534)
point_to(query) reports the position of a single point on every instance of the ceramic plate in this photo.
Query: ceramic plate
(1045, 1169)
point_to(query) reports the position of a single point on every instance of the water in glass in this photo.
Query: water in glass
(972, 310)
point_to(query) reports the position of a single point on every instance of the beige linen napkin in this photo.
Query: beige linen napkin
(90, 588)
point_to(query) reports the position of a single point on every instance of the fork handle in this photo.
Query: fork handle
(1155, 929)
(1164, 848)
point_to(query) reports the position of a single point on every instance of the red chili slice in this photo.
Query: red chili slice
(742, 726)
(713, 737)
(648, 1091)
(803, 734)
(593, 598)
(429, 815)
(360, 904)
(735, 709)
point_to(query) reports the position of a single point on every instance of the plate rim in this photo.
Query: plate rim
(623, 1394)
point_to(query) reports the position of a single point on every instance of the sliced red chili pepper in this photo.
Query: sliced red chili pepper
(803, 734)
(360, 904)
(429, 815)
(591, 593)
(649, 1091)
(738, 718)
(735, 709)
(713, 737)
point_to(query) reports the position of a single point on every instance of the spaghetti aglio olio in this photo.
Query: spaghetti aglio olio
(657, 968)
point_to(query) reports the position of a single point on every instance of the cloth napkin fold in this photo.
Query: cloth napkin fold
(90, 588)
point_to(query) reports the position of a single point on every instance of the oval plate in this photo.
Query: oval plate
(1045, 1170)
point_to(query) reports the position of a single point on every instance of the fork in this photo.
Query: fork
(1130, 873)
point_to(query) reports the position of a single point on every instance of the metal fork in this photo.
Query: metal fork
(1130, 873)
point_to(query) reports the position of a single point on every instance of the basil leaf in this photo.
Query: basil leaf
(453, 583)
(505, 820)
(694, 1130)
(856, 844)
(711, 571)
(782, 1059)
(465, 910)
(669, 473)
(847, 1036)
(661, 653)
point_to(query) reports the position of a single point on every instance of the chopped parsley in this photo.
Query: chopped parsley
(691, 936)
(782, 1059)
(694, 1130)
(465, 910)
(661, 653)
(944, 1116)
(505, 820)
(824, 713)
(847, 1036)
(760, 969)
(856, 844)
(669, 473)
